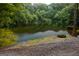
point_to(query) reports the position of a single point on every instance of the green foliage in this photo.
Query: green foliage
(7, 37)
(18, 15)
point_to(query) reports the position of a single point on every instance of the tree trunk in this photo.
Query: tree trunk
(74, 33)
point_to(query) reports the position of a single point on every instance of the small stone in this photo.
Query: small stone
(61, 36)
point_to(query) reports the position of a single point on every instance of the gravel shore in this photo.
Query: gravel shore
(66, 48)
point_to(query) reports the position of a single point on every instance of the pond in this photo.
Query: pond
(29, 36)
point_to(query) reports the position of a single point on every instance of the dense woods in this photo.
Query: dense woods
(17, 15)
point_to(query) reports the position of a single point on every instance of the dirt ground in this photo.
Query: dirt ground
(63, 48)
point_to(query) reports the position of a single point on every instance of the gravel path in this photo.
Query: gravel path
(68, 48)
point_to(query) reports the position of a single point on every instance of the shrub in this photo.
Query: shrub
(7, 37)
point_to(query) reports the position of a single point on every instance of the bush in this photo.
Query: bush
(7, 37)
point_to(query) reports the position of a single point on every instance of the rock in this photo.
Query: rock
(61, 36)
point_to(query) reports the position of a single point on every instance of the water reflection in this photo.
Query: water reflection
(27, 36)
